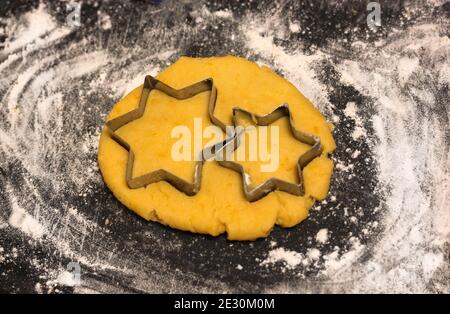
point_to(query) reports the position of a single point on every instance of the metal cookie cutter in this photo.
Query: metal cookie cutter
(150, 83)
(254, 193)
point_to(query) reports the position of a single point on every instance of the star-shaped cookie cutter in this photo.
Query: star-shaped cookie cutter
(254, 193)
(151, 83)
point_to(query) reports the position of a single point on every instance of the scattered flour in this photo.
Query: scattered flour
(406, 66)
(290, 258)
(223, 14)
(64, 278)
(294, 27)
(33, 107)
(352, 112)
(23, 221)
(410, 148)
(36, 23)
(322, 236)
(314, 254)
(297, 67)
(335, 263)
(104, 20)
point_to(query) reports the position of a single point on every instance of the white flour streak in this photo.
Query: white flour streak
(406, 66)
(281, 255)
(351, 111)
(49, 97)
(335, 263)
(82, 65)
(296, 67)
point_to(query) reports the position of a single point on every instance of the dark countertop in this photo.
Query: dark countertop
(59, 81)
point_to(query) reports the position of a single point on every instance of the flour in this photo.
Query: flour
(54, 101)
(314, 254)
(223, 14)
(25, 222)
(291, 259)
(406, 66)
(335, 262)
(351, 112)
(409, 155)
(36, 96)
(65, 278)
(36, 23)
(293, 27)
(104, 20)
(296, 68)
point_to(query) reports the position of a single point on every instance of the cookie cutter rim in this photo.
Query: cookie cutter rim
(151, 83)
(254, 193)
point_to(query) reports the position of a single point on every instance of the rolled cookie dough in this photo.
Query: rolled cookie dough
(220, 206)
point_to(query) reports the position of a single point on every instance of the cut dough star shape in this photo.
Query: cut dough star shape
(252, 191)
(133, 119)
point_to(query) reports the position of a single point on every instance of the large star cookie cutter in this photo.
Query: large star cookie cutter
(252, 192)
(151, 83)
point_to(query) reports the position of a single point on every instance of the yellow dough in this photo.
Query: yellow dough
(220, 205)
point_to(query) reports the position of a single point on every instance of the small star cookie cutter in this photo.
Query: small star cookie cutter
(252, 192)
(151, 83)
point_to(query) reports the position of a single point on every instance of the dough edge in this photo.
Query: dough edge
(238, 224)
